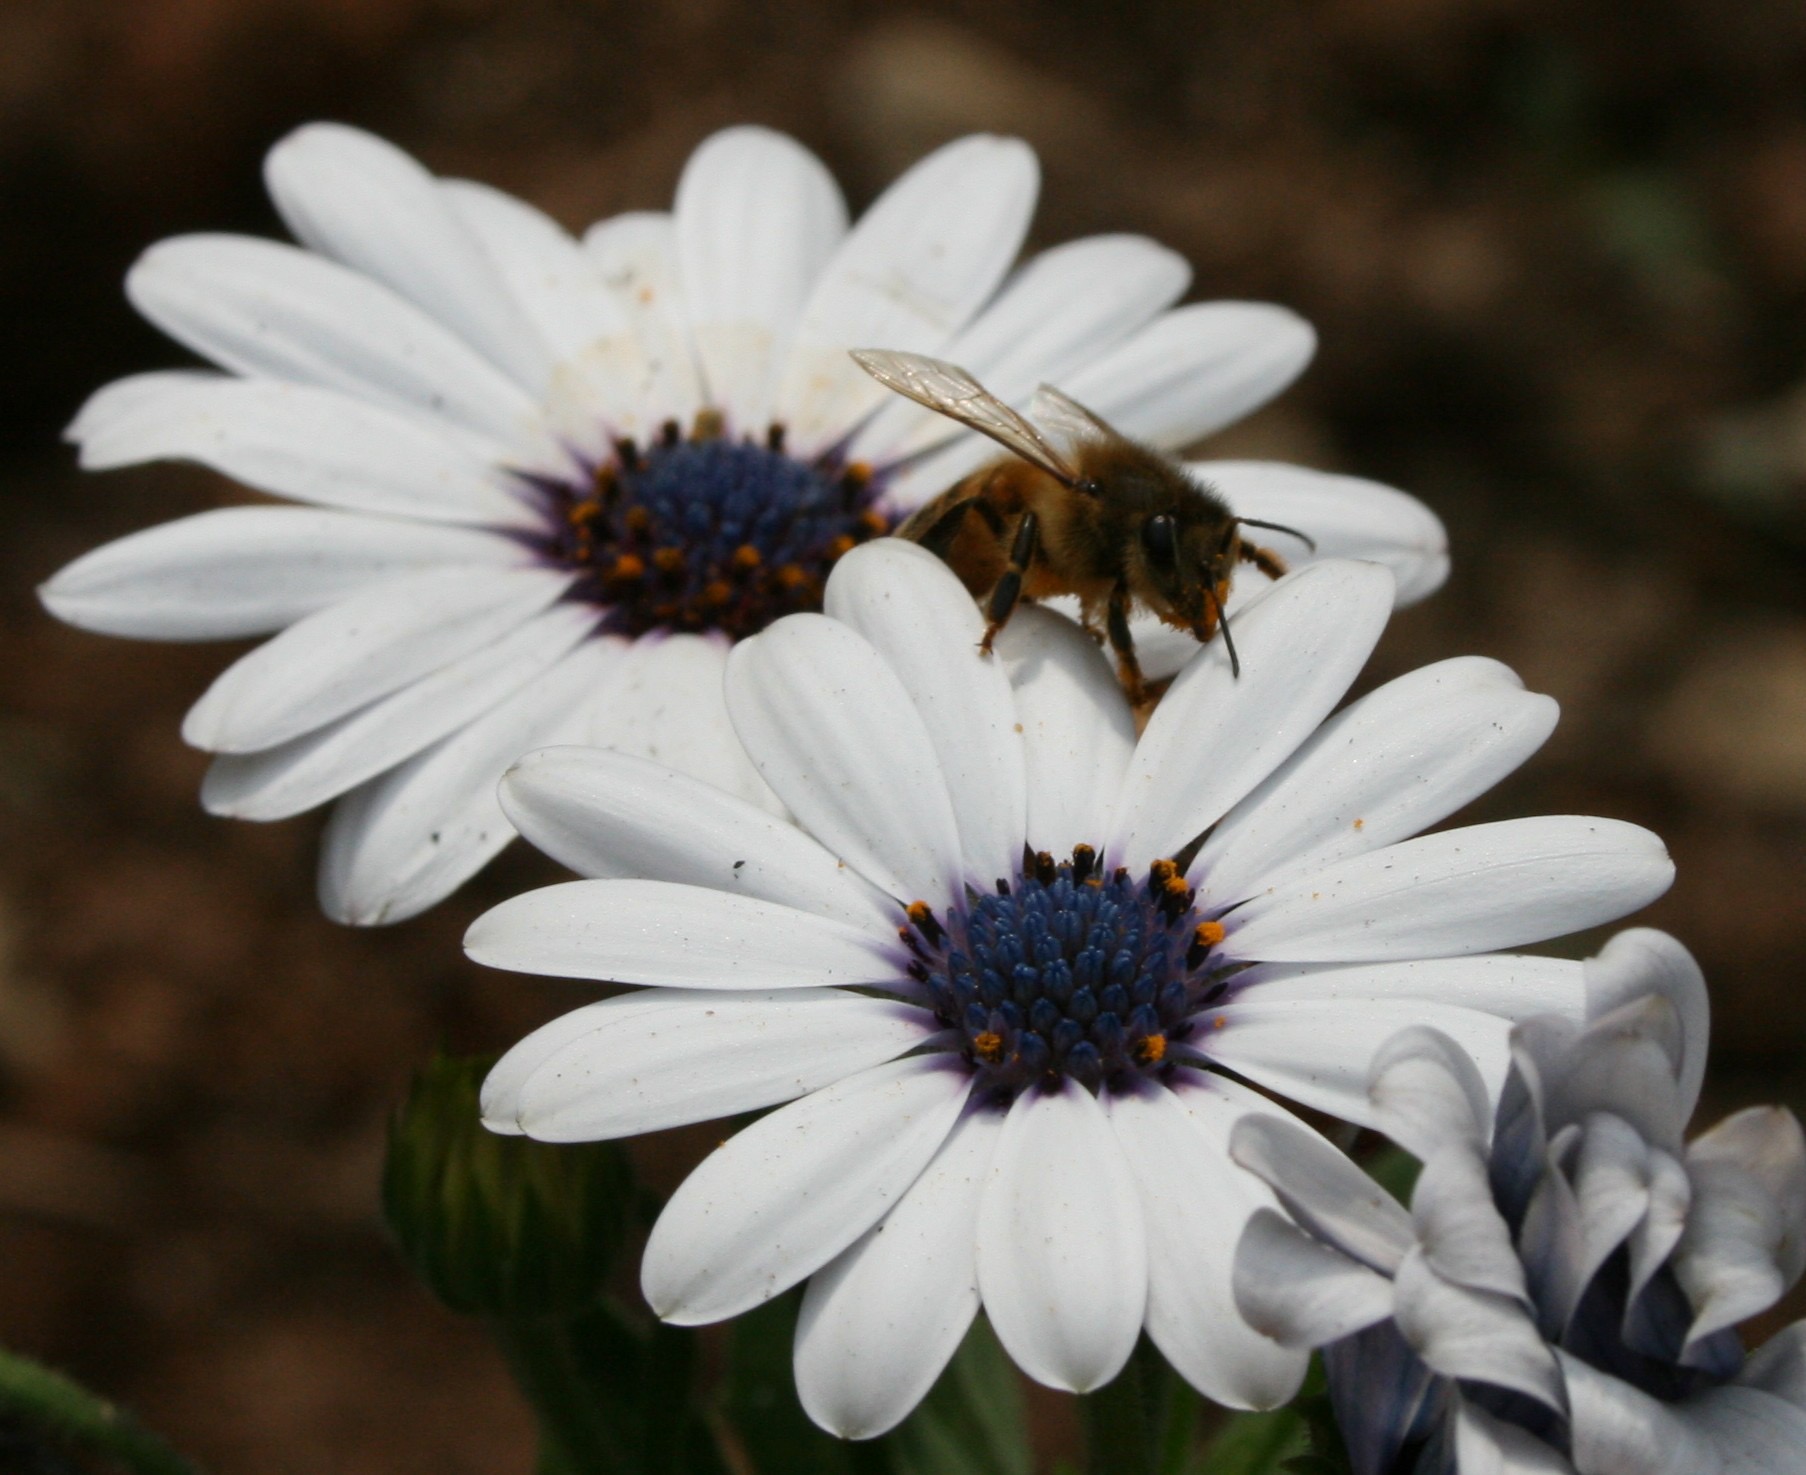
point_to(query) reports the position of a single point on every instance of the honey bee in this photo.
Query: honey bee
(1112, 522)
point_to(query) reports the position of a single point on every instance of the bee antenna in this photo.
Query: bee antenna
(1235, 661)
(1279, 527)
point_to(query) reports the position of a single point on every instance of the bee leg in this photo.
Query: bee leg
(1128, 669)
(1009, 588)
(1270, 564)
(939, 536)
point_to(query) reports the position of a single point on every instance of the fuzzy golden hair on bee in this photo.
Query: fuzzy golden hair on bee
(1079, 509)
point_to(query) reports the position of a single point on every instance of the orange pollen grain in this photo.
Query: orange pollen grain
(584, 512)
(668, 560)
(1209, 934)
(988, 1047)
(1175, 886)
(747, 557)
(790, 576)
(840, 546)
(874, 522)
(638, 519)
(717, 592)
(1151, 1049)
(919, 912)
(627, 567)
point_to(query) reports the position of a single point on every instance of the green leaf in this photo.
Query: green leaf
(57, 1407)
(1257, 1444)
(1395, 1170)
(494, 1225)
(972, 1422)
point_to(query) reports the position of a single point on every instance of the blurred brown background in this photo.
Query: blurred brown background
(1557, 254)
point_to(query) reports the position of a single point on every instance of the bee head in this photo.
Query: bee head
(1182, 558)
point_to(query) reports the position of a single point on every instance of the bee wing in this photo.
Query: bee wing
(1067, 418)
(951, 391)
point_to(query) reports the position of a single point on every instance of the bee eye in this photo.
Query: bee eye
(1158, 538)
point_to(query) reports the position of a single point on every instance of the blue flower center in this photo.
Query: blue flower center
(708, 532)
(1069, 972)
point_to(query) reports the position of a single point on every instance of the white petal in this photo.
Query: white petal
(500, 1097)
(1488, 1446)
(1459, 1230)
(321, 765)
(1300, 1292)
(1464, 1333)
(1624, 1062)
(1062, 1247)
(636, 255)
(1610, 1173)
(1389, 766)
(1512, 985)
(665, 703)
(1726, 1260)
(271, 311)
(612, 816)
(307, 444)
(556, 286)
(1077, 730)
(1214, 736)
(1323, 1189)
(654, 932)
(1619, 1430)
(359, 200)
(1551, 1246)
(124, 399)
(1319, 1053)
(879, 1323)
(250, 570)
(1427, 1095)
(1766, 1142)
(908, 276)
(758, 217)
(1065, 306)
(706, 1055)
(602, 385)
(923, 623)
(411, 837)
(1194, 370)
(788, 1194)
(1195, 1202)
(1752, 1432)
(832, 730)
(361, 649)
(1460, 891)
(1346, 516)
(1670, 1196)
(1642, 961)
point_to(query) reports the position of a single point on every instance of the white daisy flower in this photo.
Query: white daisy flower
(1564, 1292)
(999, 981)
(551, 481)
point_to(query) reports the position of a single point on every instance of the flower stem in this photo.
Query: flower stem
(62, 1407)
(1119, 1433)
(574, 1436)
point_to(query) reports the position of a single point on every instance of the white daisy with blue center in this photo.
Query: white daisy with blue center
(547, 482)
(1013, 967)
